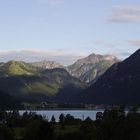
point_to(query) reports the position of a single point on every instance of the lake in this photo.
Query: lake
(81, 114)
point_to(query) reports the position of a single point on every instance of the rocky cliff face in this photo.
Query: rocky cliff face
(90, 68)
(47, 64)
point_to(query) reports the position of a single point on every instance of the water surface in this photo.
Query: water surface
(81, 114)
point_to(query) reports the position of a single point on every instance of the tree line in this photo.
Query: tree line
(112, 124)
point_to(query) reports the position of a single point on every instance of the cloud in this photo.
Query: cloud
(134, 43)
(32, 55)
(125, 14)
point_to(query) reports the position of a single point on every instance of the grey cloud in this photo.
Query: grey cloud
(125, 14)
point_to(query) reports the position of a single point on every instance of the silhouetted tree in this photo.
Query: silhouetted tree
(53, 120)
(69, 119)
(99, 116)
(61, 120)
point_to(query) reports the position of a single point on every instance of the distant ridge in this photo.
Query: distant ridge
(49, 80)
(16, 68)
(47, 64)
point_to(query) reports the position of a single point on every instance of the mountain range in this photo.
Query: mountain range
(25, 82)
(96, 79)
(87, 69)
(49, 80)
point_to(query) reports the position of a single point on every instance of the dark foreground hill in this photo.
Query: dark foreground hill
(119, 85)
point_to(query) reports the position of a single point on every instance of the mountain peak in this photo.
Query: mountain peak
(95, 58)
(92, 66)
(133, 59)
(136, 55)
(92, 55)
(16, 68)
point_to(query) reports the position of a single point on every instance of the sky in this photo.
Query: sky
(66, 30)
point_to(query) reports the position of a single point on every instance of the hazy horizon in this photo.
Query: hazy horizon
(64, 31)
(32, 56)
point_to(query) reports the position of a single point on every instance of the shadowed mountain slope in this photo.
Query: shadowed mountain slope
(119, 85)
(24, 81)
